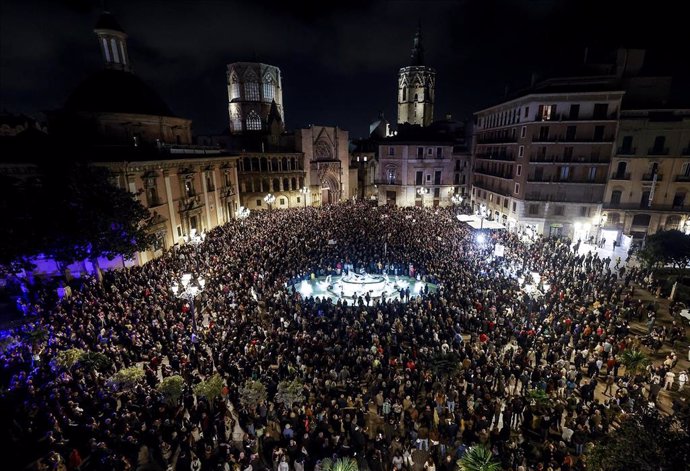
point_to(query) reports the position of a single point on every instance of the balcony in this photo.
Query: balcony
(565, 181)
(620, 176)
(559, 117)
(572, 160)
(484, 186)
(646, 207)
(682, 178)
(496, 139)
(627, 150)
(504, 175)
(575, 140)
(562, 197)
(657, 151)
(501, 157)
(648, 177)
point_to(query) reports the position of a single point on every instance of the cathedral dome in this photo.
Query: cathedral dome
(116, 91)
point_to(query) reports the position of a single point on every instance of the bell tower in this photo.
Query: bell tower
(416, 87)
(112, 40)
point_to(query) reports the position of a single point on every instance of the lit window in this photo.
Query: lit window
(269, 89)
(251, 91)
(391, 175)
(253, 122)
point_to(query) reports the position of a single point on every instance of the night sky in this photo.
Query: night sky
(339, 59)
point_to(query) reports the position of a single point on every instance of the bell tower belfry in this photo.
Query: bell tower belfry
(416, 87)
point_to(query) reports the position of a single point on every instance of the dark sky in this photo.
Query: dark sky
(339, 58)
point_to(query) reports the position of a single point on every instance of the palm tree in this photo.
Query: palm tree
(478, 458)
(341, 464)
(634, 361)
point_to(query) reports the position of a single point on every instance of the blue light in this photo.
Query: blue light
(481, 238)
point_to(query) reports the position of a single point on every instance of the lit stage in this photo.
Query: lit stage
(349, 287)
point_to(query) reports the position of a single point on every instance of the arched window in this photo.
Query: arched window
(247, 165)
(286, 184)
(255, 164)
(264, 186)
(251, 91)
(616, 197)
(276, 184)
(264, 164)
(253, 122)
(641, 220)
(293, 161)
(234, 88)
(404, 94)
(301, 182)
(285, 164)
(269, 89)
(294, 183)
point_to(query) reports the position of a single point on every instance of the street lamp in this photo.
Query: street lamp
(456, 199)
(187, 289)
(195, 238)
(602, 220)
(305, 191)
(243, 213)
(482, 215)
(421, 192)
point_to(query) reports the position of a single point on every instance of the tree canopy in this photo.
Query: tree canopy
(667, 248)
(70, 211)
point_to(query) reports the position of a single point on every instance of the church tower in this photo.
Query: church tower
(113, 42)
(416, 88)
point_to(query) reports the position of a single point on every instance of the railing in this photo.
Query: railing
(502, 157)
(682, 178)
(483, 186)
(566, 139)
(496, 139)
(504, 175)
(657, 151)
(566, 117)
(644, 206)
(579, 159)
(648, 177)
(627, 150)
(558, 180)
(562, 198)
(620, 176)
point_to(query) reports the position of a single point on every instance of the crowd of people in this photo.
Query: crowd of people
(493, 356)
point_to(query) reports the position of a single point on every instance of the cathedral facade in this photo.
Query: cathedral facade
(255, 97)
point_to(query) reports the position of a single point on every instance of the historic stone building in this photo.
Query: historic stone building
(416, 83)
(326, 161)
(255, 97)
(649, 179)
(281, 174)
(417, 167)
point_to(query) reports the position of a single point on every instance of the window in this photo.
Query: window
(251, 91)
(282, 201)
(558, 210)
(678, 200)
(518, 171)
(544, 133)
(419, 178)
(685, 170)
(570, 133)
(457, 165)
(523, 131)
(600, 110)
(546, 112)
(253, 122)
(574, 112)
(568, 154)
(439, 152)
(189, 187)
(234, 88)
(456, 179)
(514, 206)
(491, 197)
(521, 151)
(626, 145)
(404, 94)
(420, 152)
(564, 173)
(391, 151)
(209, 182)
(428, 178)
(533, 209)
(583, 211)
(299, 200)
(592, 174)
(258, 202)
(517, 188)
(269, 90)
(616, 196)
(236, 122)
(598, 133)
(437, 177)
(620, 170)
(430, 151)
(641, 220)
(526, 111)
(390, 175)
(659, 142)
(644, 201)
(437, 192)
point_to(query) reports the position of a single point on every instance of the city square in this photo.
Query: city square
(369, 236)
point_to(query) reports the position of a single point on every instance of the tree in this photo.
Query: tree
(252, 394)
(127, 377)
(171, 388)
(290, 393)
(210, 388)
(478, 458)
(97, 361)
(341, 464)
(647, 441)
(68, 358)
(634, 361)
(667, 248)
(71, 212)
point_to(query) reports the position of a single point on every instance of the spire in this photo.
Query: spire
(417, 55)
(112, 40)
